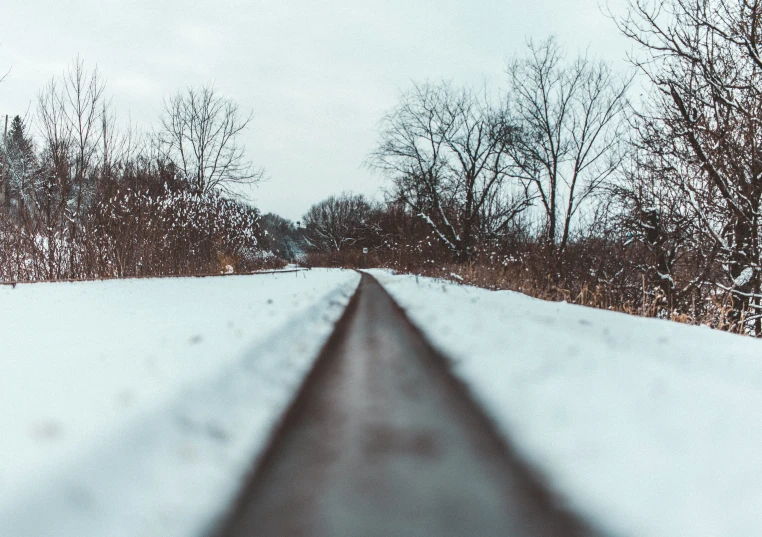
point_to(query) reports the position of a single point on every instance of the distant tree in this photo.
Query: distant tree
(341, 221)
(21, 163)
(446, 150)
(282, 236)
(70, 111)
(18, 139)
(199, 133)
(70, 120)
(572, 130)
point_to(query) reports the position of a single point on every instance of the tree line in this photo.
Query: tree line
(563, 186)
(637, 191)
(82, 197)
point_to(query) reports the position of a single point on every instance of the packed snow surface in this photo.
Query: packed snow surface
(646, 428)
(135, 407)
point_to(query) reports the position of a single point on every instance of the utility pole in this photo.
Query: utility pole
(5, 163)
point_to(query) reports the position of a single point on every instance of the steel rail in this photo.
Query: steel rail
(383, 440)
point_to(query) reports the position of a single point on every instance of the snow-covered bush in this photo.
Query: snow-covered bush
(139, 232)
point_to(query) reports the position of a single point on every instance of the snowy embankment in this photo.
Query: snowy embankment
(647, 428)
(135, 407)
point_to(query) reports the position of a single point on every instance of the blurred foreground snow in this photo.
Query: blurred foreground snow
(135, 407)
(648, 428)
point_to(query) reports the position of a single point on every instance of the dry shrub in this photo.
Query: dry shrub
(595, 273)
(139, 231)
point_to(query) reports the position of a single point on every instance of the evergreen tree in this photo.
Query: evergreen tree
(21, 164)
(18, 142)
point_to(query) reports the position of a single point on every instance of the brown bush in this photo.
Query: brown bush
(595, 273)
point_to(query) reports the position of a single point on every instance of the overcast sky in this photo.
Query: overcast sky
(317, 74)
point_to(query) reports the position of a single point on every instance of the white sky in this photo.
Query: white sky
(317, 74)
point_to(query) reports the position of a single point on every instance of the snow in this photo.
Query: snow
(744, 277)
(135, 407)
(645, 427)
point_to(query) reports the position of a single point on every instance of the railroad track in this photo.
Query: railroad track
(382, 440)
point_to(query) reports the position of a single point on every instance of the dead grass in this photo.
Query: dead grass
(581, 277)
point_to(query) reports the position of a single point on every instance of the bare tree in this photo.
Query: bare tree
(702, 125)
(652, 215)
(340, 221)
(200, 133)
(571, 130)
(70, 113)
(446, 149)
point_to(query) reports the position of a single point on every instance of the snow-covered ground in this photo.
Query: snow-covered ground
(648, 428)
(133, 408)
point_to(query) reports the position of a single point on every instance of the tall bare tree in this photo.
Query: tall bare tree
(571, 130)
(70, 113)
(200, 133)
(446, 149)
(702, 124)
